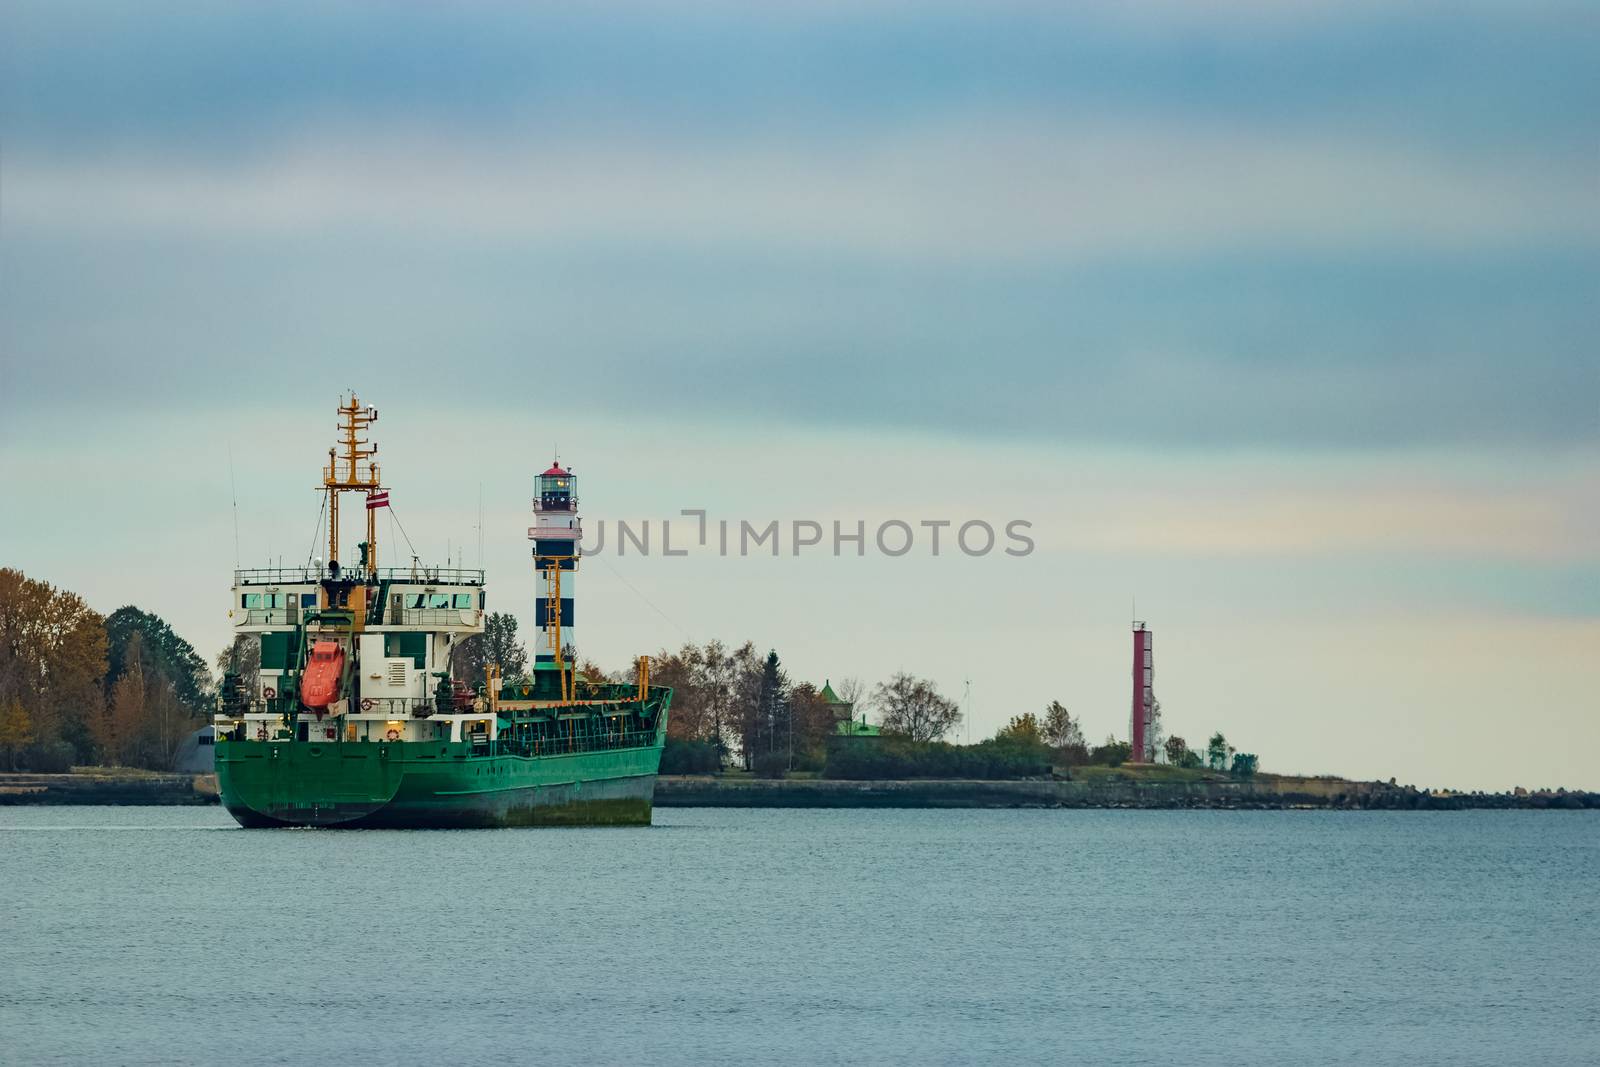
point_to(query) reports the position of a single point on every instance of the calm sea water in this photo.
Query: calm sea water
(165, 935)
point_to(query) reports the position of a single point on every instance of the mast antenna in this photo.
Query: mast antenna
(233, 487)
(351, 467)
(966, 700)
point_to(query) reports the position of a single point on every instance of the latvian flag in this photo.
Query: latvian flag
(380, 499)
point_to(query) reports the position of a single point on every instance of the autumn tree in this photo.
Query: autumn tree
(1059, 728)
(16, 732)
(914, 708)
(589, 671)
(813, 724)
(714, 690)
(168, 720)
(731, 682)
(118, 727)
(691, 715)
(1176, 749)
(1024, 728)
(52, 659)
(853, 691)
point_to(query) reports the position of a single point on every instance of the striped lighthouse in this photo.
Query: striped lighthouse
(556, 534)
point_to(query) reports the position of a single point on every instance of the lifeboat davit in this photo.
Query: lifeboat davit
(324, 675)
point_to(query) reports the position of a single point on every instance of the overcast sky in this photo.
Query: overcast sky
(1282, 322)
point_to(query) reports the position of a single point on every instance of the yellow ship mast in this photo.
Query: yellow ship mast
(352, 469)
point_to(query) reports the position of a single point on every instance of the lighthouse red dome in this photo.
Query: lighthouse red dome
(555, 471)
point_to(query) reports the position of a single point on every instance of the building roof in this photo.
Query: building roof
(555, 470)
(827, 694)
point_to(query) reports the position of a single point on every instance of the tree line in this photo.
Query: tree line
(78, 687)
(731, 705)
(124, 689)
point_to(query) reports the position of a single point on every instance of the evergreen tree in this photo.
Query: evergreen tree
(162, 653)
(768, 735)
(498, 644)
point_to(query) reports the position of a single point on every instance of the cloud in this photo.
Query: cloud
(1344, 227)
(187, 76)
(970, 189)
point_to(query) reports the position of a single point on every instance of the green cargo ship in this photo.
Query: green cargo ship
(355, 719)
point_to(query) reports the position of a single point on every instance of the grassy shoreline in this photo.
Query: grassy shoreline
(1085, 787)
(1100, 788)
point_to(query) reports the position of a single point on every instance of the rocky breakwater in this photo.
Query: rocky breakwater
(1128, 790)
(113, 787)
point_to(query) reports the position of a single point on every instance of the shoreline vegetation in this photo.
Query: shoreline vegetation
(94, 709)
(1128, 786)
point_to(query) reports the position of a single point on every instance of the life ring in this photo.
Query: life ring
(393, 735)
(269, 692)
(261, 733)
(366, 703)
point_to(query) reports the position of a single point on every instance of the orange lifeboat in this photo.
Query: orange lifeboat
(324, 673)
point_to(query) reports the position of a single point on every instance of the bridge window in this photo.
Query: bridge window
(464, 600)
(439, 600)
(250, 600)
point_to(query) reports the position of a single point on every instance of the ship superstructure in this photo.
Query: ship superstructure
(356, 718)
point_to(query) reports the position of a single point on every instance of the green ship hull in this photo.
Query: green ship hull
(422, 785)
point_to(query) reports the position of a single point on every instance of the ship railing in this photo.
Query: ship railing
(557, 744)
(395, 707)
(389, 707)
(308, 575)
(561, 744)
(436, 617)
(272, 616)
(432, 575)
(277, 576)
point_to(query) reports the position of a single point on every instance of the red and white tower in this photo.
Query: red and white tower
(1141, 730)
